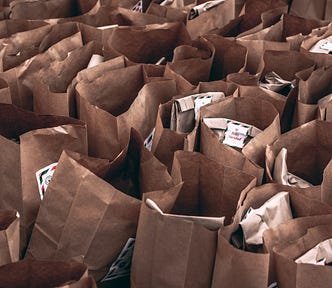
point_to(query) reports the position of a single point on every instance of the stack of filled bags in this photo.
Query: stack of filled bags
(166, 143)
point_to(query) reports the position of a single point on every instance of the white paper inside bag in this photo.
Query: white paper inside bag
(281, 174)
(199, 9)
(321, 254)
(211, 223)
(95, 60)
(273, 212)
(323, 46)
(275, 83)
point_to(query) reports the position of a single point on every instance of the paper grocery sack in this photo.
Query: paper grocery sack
(209, 15)
(229, 57)
(97, 224)
(192, 220)
(172, 14)
(117, 101)
(276, 215)
(300, 156)
(9, 27)
(5, 96)
(9, 236)
(292, 270)
(259, 119)
(314, 96)
(319, 10)
(30, 273)
(52, 91)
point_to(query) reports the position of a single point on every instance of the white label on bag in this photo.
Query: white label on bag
(236, 134)
(149, 140)
(44, 177)
(201, 101)
(121, 266)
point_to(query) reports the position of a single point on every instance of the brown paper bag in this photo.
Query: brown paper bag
(5, 96)
(42, 274)
(158, 41)
(212, 17)
(110, 213)
(113, 106)
(10, 27)
(172, 14)
(229, 57)
(52, 93)
(290, 273)
(19, 78)
(301, 206)
(167, 141)
(194, 220)
(260, 114)
(10, 236)
(312, 88)
(308, 154)
(319, 10)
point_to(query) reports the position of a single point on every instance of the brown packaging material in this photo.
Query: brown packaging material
(216, 17)
(170, 246)
(191, 64)
(309, 151)
(10, 27)
(313, 87)
(44, 9)
(301, 205)
(319, 9)
(19, 78)
(52, 92)
(167, 141)
(96, 223)
(41, 141)
(9, 236)
(5, 96)
(117, 101)
(292, 274)
(256, 112)
(149, 43)
(229, 57)
(45, 274)
(171, 14)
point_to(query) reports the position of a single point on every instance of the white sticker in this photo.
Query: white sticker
(121, 266)
(138, 7)
(44, 177)
(149, 140)
(201, 101)
(236, 134)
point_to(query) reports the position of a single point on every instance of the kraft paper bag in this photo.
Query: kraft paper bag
(52, 91)
(172, 14)
(10, 236)
(205, 181)
(44, 9)
(313, 88)
(166, 141)
(158, 40)
(193, 220)
(292, 272)
(209, 16)
(229, 57)
(191, 64)
(104, 217)
(307, 154)
(117, 101)
(42, 274)
(31, 142)
(19, 78)
(9, 27)
(5, 96)
(258, 119)
(319, 10)
(233, 241)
